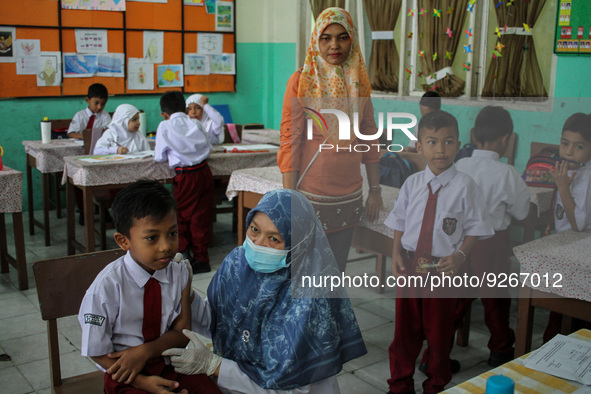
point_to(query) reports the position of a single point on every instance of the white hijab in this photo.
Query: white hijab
(119, 130)
(196, 99)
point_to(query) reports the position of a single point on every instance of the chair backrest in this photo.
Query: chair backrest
(510, 152)
(90, 137)
(536, 147)
(253, 126)
(61, 285)
(227, 137)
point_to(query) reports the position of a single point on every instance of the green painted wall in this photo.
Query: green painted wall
(262, 72)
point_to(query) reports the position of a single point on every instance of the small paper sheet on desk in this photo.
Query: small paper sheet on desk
(564, 357)
(244, 147)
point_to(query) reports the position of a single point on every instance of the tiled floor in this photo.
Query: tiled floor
(23, 333)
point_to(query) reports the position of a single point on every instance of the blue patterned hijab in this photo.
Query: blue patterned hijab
(283, 342)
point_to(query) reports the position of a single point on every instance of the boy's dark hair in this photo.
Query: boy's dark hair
(141, 199)
(172, 102)
(492, 123)
(579, 123)
(438, 120)
(97, 90)
(431, 100)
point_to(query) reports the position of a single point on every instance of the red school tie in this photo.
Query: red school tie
(425, 242)
(90, 122)
(152, 310)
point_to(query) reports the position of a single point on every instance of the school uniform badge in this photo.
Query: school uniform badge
(449, 225)
(96, 320)
(559, 212)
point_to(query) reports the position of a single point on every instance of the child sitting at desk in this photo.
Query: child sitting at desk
(572, 175)
(185, 146)
(437, 218)
(122, 135)
(138, 305)
(94, 115)
(506, 196)
(213, 122)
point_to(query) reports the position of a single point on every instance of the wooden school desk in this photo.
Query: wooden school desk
(117, 174)
(526, 380)
(47, 159)
(11, 197)
(250, 184)
(567, 253)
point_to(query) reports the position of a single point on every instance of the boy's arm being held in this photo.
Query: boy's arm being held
(563, 182)
(131, 361)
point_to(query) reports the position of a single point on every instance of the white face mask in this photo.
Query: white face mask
(264, 259)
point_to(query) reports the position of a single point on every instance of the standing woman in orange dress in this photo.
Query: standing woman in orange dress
(333, 77)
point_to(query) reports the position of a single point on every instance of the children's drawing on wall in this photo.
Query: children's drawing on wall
(223, 64)
(210, 44)
(7, 38)
(210, 6)
(104, 5)
(170, 75)
(49, 69)
(154, 46)
(196, 64)
(193, 2)
(224, 16)
(78, 66)
(140, 75)
(111, 65)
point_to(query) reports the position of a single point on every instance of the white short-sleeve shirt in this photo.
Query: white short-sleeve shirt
(181, 141)
(112, 311)
(460, 211)
(80, 120)
(580, 189)
(506, 194)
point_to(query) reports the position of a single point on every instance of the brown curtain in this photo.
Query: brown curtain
(383, 61)
(320, 5)
(517, 72)
(434, 39)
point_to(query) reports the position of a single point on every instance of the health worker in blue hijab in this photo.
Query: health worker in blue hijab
(270, 333)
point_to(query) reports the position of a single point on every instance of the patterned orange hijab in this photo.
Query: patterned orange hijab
(323, 85)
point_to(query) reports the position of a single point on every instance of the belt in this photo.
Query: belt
(411, 256)
(197, 167)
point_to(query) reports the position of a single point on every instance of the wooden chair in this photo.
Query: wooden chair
(510, 152)
(228, 138)
(54, 198)
(253, 126)
(61, 285)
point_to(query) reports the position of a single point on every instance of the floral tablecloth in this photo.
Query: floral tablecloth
(564, 259)
(113, 172)
(226, 163)
(260, 136)
(262, 180)
(50, 157)
(541, 197)
(11, 190)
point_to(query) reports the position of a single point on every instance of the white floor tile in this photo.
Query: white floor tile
(13, 382)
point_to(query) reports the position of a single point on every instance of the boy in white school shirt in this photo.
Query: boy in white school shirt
(572, 175)
(185, 145)
(437, 218)
(138, 305)
(506, 196)
(94, 115)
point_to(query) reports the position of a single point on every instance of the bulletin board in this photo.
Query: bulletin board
(573, 27)
(55, 27)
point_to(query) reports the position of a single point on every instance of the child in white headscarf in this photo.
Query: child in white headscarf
(122, 135)
(213, 122)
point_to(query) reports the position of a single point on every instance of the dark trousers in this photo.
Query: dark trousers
(340, 243)
(493, 255)
(418, 319)
(194, 384)
(193, 192)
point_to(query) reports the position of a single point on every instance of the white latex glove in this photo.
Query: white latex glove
(198, 360)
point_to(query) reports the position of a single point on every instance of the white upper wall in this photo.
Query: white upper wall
(267, 21)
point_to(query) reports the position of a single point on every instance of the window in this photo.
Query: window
(471, 39)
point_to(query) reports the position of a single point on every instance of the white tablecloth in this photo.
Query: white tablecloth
(50, 157)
